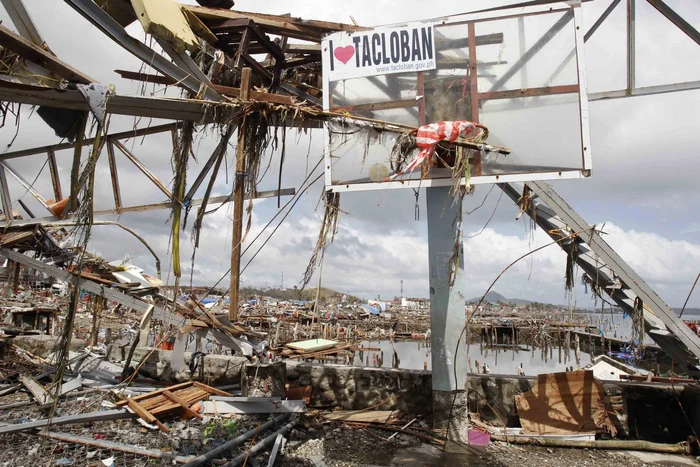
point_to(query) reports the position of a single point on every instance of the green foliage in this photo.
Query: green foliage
(222, 428)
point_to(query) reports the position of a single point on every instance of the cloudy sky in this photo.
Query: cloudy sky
(643, 188)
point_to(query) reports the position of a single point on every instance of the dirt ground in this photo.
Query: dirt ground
(342, 447)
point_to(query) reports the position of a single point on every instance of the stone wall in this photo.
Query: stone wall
(641, 410)
(353, 388)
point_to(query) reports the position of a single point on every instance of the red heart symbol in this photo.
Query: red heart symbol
(344, 54)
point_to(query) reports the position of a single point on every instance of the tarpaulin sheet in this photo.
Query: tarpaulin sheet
(564, 403)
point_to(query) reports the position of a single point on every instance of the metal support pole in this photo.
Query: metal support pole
(238, 195)
(28, 186)
(23, 21)
(139, 165)
(447, 316)
(630, 47)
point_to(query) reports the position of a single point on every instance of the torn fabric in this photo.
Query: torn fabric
(96, 96)
(428, 136)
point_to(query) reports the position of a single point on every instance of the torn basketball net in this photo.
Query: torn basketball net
(428, 137)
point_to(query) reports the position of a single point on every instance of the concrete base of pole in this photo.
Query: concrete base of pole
(454, 418)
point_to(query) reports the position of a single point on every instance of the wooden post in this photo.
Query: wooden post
(238, 194)
(15, 280)
(96, 303)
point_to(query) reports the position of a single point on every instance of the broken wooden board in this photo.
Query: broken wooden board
(41, 395)
(164, 19)
(312, 345)
(252, 406)
(564, 403)
(179, 398)
(373, 416)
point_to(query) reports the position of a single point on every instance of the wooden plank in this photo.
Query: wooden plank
(374, 416)
(297, 28)
(100, 416)
(38, 391)
(396, 104)
(145, 414)
(312, 345)
(160, 399)
(155, 393)
(185, 405)
(211, 390)
(223, 90)
(36, 54)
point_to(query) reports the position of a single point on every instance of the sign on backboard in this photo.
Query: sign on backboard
(518, 71)
(380, 51)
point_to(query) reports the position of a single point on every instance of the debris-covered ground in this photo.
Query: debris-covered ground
(337, 446)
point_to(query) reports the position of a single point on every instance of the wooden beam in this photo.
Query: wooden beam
(530, 92)
(55, 179)
(34, 53)
(239, 192)
(38, 391)
(223, 90)
(297, 28)
(398, 104)
(185, 405)
(145, 415)
(114, 175)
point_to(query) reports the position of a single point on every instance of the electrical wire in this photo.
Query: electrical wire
(490, 218)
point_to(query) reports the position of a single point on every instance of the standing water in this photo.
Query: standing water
(416, 355)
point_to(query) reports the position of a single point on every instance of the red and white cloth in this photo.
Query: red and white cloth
(429, 136)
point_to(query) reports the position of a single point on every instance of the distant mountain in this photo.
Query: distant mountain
(688, 311)
(494, 297)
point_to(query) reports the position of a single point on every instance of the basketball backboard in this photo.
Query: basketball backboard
(520, 72)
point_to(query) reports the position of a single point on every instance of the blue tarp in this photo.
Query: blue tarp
(371, 309)
(208, 300)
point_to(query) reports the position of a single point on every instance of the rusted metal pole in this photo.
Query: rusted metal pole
(238, 194)
(55, 180)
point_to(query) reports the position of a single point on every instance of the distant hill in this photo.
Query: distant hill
(494, 297)
(688, 311)
(298, 294)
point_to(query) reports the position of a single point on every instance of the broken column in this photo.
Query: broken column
(447, 317)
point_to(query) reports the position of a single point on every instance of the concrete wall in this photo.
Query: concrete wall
(218, 369)
(42, 345)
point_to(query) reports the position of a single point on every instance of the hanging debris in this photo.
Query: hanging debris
(329, 227)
